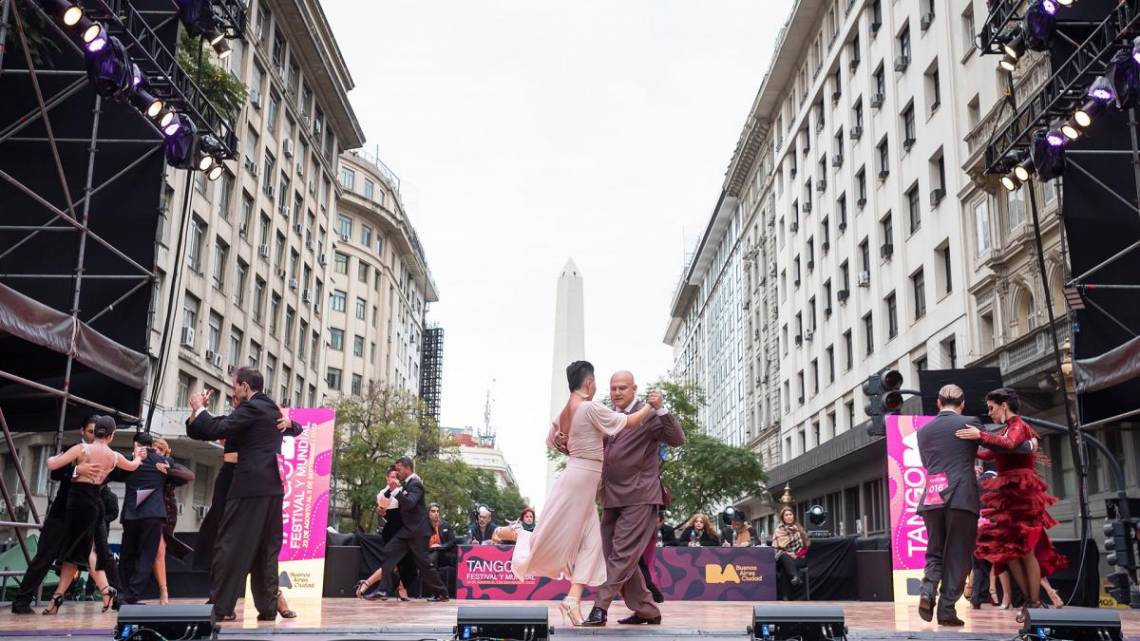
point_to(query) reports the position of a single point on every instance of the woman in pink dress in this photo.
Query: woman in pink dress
(567, 543)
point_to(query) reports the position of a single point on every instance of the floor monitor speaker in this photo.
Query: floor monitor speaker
(520, 624)
(805, 623)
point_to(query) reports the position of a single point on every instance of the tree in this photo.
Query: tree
(222, 88)
(706, 473)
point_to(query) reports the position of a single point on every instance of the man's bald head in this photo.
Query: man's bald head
(623, 389)
(951, 397)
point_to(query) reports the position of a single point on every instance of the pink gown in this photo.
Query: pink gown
(567, 542)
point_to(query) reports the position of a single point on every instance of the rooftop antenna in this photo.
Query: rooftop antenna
(487, 433)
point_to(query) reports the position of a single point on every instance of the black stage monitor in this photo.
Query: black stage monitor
(976, 382)
(519, 624)
(805, 623)
(1073, 625)
(183, 622)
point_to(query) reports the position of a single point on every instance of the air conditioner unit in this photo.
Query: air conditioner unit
(187, 337)
(842, 226)
(842, 295)
(837, 161)
(854, 64)
(819, 125)
(862, 202)
(243, 231)
(300, 168)
(811, 265)
(255, 99)
(901, 63)
(309, 243)
(307, 121)
(230, 369)
(793, 172)
(864, 279)
(926, 20)
(200, 511)
(821, 185)
(794, 226)
(292, 283)
(807, 207)
(908, 143)
(323, 260)
(936, 196)
(825, 245)
(306, 297)
(856, 132)
(796, 282)
(249, 165)
(210, 356)
(809, 334)
(312, 187)
(886, 250)
(344, 238)
(287, 147)
(836, 95)
(883, 174)
(216, 361)
(877, 100)
(255, 170)
(875, 25)
(263, 251)
(799, 339)
(299, 228)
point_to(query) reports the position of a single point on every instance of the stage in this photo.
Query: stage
(348, 618)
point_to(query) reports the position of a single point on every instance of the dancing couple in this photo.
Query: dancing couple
(1014, 513)
(620, 449)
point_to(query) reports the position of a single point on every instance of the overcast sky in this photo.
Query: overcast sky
(528, 132)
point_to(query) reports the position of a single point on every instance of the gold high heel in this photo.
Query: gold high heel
(570, 610)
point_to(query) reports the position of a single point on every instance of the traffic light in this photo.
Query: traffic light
(883, 397)
(1119, 586)
(1119, 543)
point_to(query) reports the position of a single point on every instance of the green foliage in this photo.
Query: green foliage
(41, 37)
(375, 430)
(706, 473)
(222, 89)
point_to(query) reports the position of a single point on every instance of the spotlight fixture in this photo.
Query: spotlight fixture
(182, 145)
(222, 48)
(1055, 138)
(1015, 45)
(1040, 23)
(1124, 76)
(109, 68)
(95, 37)
(1065, 3)
(1071, 130)
(66, 11)
(1084, 116)
(1136, 50)
(1024, 170)
(166, 119)
(173, 124)
(215, 172)
(1101, 89)
(1047, 155)
(1008, 63)
(200, 20)
(1010, 182)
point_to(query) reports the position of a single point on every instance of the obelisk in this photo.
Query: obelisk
(569, 345)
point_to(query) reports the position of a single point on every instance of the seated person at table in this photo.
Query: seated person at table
(666, 535)
(509, 533)
(483, 529)
(791, 542)
(741, 534)
(441, 545)
(699, 532)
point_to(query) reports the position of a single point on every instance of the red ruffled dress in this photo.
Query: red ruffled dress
(1015, 505)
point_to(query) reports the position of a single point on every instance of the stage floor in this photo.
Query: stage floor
(350, 617)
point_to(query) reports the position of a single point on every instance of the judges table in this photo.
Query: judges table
(682, 574)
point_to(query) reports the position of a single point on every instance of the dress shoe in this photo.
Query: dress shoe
(640, 620)
(438, 598)
(926, 607)
(950, 620)
(267, 616)
(19, 607)
(596, 619)
(227, 617)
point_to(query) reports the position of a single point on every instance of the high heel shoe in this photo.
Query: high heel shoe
(362, 587)
(1023, 616)
(1055, 599)
(111, 598)
(994, 599)
(402, 594)
(283, 610)
(570, 610)
(55, 603)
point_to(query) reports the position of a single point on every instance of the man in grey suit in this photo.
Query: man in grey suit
(631, 498)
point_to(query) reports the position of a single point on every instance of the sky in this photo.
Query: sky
(525, 133)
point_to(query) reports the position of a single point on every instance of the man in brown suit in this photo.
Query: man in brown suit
(631, 497)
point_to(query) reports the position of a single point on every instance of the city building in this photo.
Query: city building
(431, 372)
(379, 284)
(479, 451)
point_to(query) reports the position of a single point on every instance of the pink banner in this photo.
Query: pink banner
(307, 462)
(907, 479)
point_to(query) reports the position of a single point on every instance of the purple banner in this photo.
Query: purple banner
(682, 574)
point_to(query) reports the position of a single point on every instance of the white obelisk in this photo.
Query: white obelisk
(569, 345)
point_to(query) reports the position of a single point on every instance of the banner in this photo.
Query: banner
(682, 573)
(306, 462)
(907, 480)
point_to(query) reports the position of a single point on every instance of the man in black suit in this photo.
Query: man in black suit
(250, 533)
(413, 537)
(373, 553)
(54, 528)
(143, 517)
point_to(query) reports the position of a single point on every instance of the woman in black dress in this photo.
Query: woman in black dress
(176, 476)
(85, 511)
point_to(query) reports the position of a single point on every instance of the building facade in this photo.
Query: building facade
(380, 284)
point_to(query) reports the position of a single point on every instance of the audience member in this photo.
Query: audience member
(699, 532)
(482, 531)
(791, 542)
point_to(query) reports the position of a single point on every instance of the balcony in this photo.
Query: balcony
(1027, 355)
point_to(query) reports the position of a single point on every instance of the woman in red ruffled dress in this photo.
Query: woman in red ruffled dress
(1015, 510)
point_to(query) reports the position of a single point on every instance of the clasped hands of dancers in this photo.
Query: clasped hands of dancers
(1002, 520)
(620, 450)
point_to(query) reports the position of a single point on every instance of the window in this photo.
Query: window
(1016, 200)
(848, 351)
(892, 316)
(236, 339)
(357, 384)
(861, 185)
(827, 299)
(194, 246)
(221, 254)
(915, 214)
(937, 178)
(225, 195)
(830, 363)
(888, 229)
(865, 256)
(814, 376)
(274, 312)
(214, 335)
(909, 133)
(869, 334)
(340, 263)
(855, 54)
(338, 299)
(366, 236)
(876, 15)
(880, 82)
(824, 236)
(344, 226)
(950, 353)
(982, 227)
(333, 378)
(185, 385)
(358, 345)
(362, 271)
(269, 174)
(845, 277)
(290, 316)
(240, 277)
(258, 299)
(361, 306)
(369, 188)
(884, 159)
(347, 178)
(336, 339)
(918, 285)
(857, 117)
(942, 274)
(841, 212)
(904, 43)
(968, 31)
(933, 88)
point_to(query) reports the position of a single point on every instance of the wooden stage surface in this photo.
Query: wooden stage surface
(355, 617)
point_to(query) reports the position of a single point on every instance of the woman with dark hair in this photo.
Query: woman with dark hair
(176, 475)
(791, 542)
(699, 532)
(85, 511)
(567, 543)
(1016, 504)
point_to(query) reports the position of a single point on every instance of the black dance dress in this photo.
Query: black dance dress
(85, 527)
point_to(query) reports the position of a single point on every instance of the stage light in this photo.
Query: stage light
(222, 48)
(1008, 63)
(1047, 157)
(67, 11)
(1071, 130)
(1101, 89)
(1024, 170)
(1015, 46)
(1055, 138)
(109, 69)
(1040, 25)
(1136, 50)
(172, 124)
(95, 37)
(1010, 182)
(1124, 76)
(182, 146)
(215, 171)
(1065, 3)
(1084, 116)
